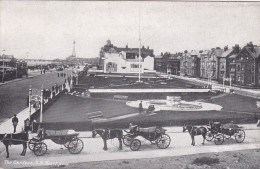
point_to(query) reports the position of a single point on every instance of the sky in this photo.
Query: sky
(47, 29)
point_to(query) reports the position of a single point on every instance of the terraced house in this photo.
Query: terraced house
(211, 63)
(173, 65)
(203, 60)
(248, 66)
(224, 60)
(190, 64)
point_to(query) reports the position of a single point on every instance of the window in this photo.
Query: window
(238, 68)
(242, 67)
(253, 68)
(238, 78)
(135, 67)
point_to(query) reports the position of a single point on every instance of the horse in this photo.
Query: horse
(194, 131)
(15, 139)
(106, 134)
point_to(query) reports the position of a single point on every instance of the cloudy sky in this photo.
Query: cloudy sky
(47, 29)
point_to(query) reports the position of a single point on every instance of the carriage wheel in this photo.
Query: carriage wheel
(40, 149)
(127, 140)
(209, 136)
(135, 145)
(75, 146)
(219, 139)
(164, 141)
(240, 136)
(31, 144)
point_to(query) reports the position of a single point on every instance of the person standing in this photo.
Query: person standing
(27, 125)
(15, 122)
(140, 107)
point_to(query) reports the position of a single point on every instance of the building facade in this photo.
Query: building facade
(190, 64)
(173, 65)
(124, 62)
(248, 66)
(131, 53)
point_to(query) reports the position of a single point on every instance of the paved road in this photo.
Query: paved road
(13, 95)
(93, 151)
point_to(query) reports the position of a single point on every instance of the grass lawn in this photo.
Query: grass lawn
(72, 108)
(235, 102)
(120, 82)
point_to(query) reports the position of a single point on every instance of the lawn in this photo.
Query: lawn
(239, 109)
(72, 108)
(120, 82)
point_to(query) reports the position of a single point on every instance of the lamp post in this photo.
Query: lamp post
(27, 53)
(3, 80)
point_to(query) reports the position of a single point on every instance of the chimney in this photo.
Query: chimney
(126, 46)
(236, 48)
(226, 48)
(147, 47)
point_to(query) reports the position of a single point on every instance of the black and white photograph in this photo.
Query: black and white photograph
(129, 84)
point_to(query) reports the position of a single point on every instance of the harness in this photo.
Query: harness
(196, 132)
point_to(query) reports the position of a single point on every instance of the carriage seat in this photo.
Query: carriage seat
(230, 126)
(59, 132)
(149, 129)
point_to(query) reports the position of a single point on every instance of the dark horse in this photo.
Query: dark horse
(194, 131)
(106, 134)
(15, 139)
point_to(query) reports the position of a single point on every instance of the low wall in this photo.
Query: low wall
(149, 90)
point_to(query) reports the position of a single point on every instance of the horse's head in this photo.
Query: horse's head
(184, 128)
(187, 127)
(94, 133)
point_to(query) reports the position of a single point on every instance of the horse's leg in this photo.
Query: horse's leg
(120, 143)
(105, 144)
(24, 149)
(204, 136)
(7, 151)
(193, 140)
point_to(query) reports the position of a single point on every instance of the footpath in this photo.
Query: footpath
(249, 92)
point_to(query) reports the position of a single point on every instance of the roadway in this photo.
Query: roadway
(13, 94)
(180, 145)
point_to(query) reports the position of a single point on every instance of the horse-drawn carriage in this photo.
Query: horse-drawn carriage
(68, 138)
(156, 135)
(219, 132)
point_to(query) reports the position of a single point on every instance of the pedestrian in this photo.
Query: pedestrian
(43, 71)
(15, 122)
(140, 107)
(27, 125)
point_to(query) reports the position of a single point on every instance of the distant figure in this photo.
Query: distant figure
(44, 71)
(15, 122)
(140, 107)
(27, 125)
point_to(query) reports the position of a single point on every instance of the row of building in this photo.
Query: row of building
(241, 65)
(115, 59)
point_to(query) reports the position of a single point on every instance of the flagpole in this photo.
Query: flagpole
(139, 50)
